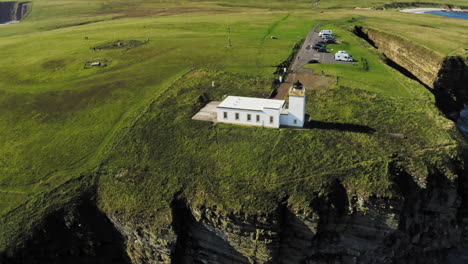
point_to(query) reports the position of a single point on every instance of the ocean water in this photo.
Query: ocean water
(453, 14)
(462, 122)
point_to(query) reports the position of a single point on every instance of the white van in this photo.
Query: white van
(343, 56)
(325, 32)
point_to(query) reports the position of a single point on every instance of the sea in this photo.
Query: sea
(462, 122)
(452, 14)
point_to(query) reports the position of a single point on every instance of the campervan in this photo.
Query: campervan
(343, 56)
(325, 32)
(327, 36)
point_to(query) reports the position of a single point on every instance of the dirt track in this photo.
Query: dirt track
(308, 79)
(306, 76)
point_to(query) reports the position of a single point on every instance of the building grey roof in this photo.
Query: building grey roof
(250, 103)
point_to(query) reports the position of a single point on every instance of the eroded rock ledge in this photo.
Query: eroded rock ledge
(418, 224)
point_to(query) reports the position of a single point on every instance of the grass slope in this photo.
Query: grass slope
(167, 152)
(60, 121)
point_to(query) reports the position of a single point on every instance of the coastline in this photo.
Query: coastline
(424, 10)
(8, 23)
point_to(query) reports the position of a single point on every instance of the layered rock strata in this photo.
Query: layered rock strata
(418, 225)
(445, 76)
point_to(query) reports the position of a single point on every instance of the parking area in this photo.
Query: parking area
(307, 53)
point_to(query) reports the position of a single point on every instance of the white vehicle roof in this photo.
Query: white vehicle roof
(342, 52)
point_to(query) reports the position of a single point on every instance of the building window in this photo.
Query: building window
(271, 120)
(237, 116)
(225, 115)
(295, 121)
(249, 117)
(258, 118)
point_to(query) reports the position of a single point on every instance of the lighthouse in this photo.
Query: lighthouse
(297, 103)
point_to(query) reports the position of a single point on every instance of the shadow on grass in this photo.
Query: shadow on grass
(346, 127)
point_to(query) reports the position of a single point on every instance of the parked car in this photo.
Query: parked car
(316, 47)
(320, 43)
(322, 49)
(313, 61)
(330, 41)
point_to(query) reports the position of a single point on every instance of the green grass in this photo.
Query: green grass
(338, 4)
(60, 121)
(372, 75)
(217, 164)
(64, 111)
(444, 36)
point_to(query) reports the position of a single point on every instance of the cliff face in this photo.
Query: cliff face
(418, 225)
(144, 244)
(450, 85)
(445, 76)
(13, 11)
(79, 233)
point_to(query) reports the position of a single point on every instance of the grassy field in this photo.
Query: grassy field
(446, 37)
(349, 140)
(131, 120)
(368, 72)
(64, 112)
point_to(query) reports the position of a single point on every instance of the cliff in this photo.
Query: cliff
(13, 11)
(446, 76)
(417, 225)
(179, 191)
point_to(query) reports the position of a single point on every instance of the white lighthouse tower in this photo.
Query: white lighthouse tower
(297, 103)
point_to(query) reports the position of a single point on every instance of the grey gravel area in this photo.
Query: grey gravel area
(207, 113)
(306, 54)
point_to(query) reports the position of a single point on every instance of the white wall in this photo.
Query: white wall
(275, 113)
(264, 117)
(284, 119)
(296, 111)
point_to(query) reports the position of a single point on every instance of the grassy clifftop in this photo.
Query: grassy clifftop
(131, 119)
(251, 169)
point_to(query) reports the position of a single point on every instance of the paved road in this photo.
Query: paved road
(305, 55)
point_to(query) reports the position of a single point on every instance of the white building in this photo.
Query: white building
(264, 112)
